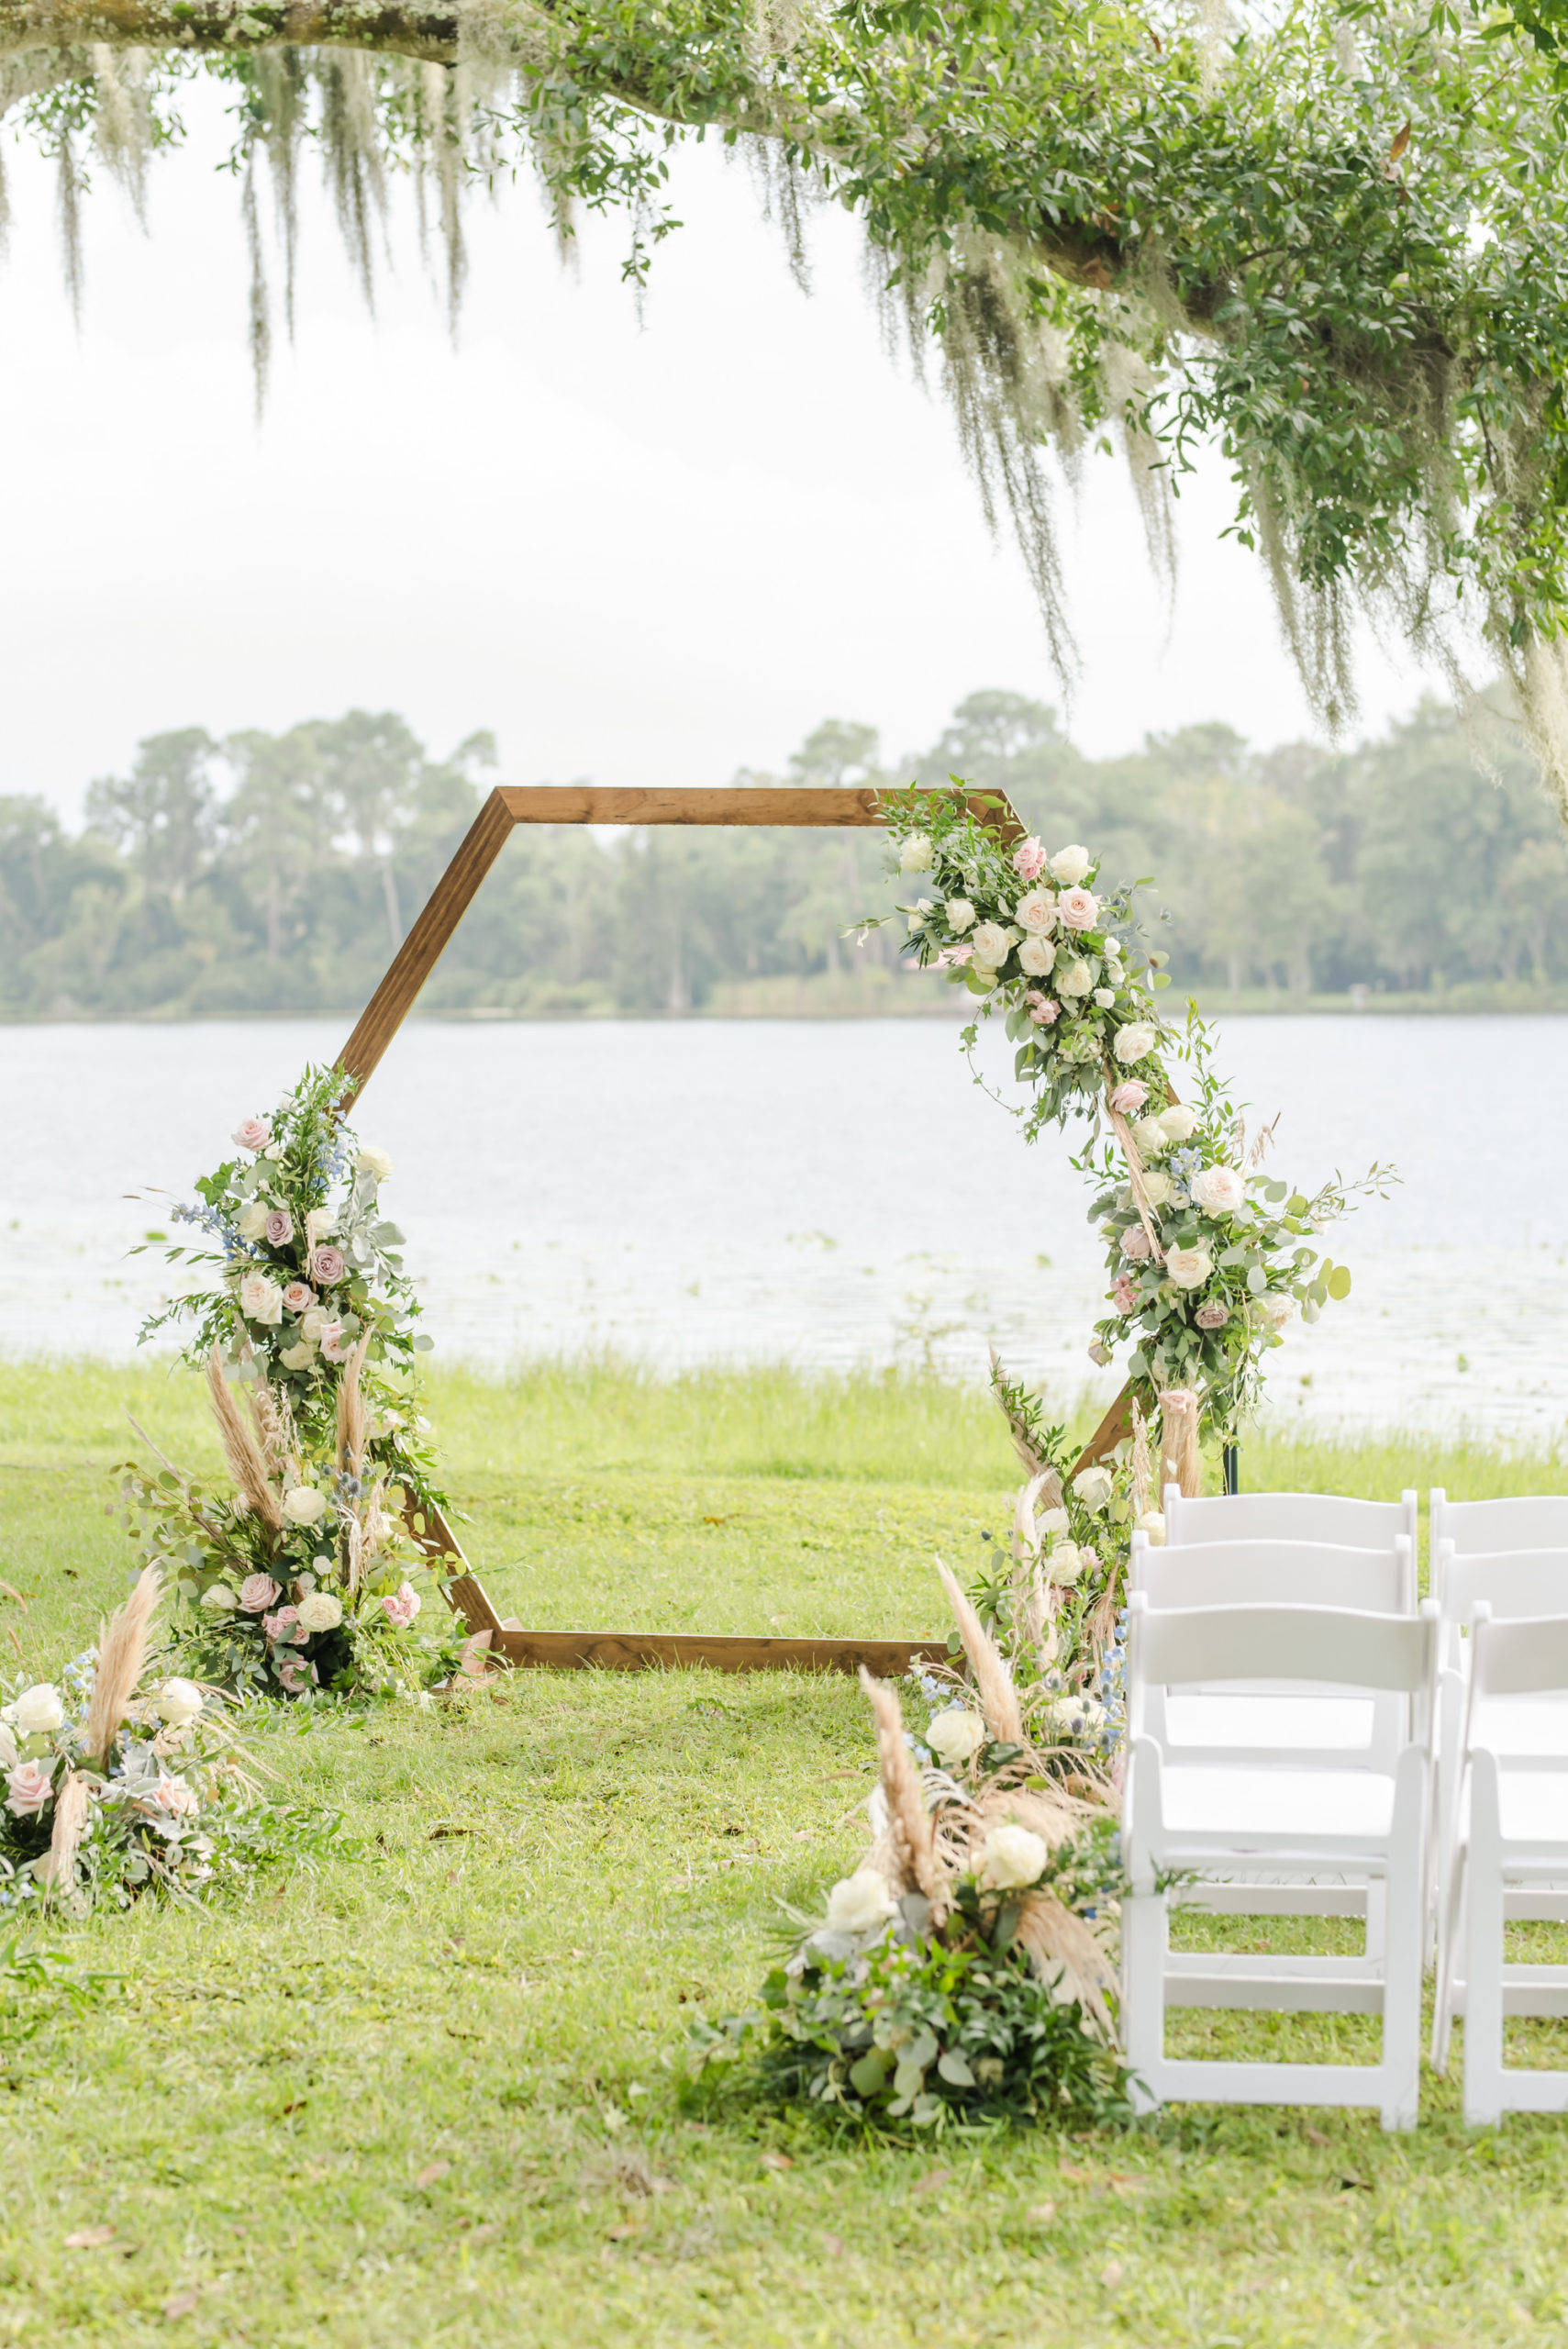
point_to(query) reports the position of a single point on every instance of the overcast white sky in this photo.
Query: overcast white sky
(644, 554)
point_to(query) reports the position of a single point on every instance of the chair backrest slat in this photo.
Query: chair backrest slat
(1288, 1517)
(1513, 1583)
(1527, 1656)
(1522, 1521)
(1337, 1646)
(1247, 1573)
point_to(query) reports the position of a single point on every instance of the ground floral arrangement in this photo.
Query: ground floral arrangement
(117, 1783)
(304, 1580)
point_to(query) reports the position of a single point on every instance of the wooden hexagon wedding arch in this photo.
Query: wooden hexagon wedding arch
(508, 1640)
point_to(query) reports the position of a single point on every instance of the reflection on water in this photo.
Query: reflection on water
(828, 1192)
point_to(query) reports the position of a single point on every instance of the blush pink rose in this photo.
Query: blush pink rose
(28, 1787)
(951, 956)
(1135, 1245)
(1129, 1096)
(1124, 1296)
(1077, 909)
(327, 1266)
(256, 1593)
(176, 1797)
(1212, 1316)
(255, 1134)
(280, 1227)
(1029, 859)
(299, 1297)
(401, 1606)
(334, 1345)
(283, 1625)
(297, 1674)
(1044, 1009)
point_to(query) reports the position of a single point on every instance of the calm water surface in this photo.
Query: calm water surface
(828, 1192)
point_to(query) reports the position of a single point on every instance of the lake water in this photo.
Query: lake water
(831, 1193)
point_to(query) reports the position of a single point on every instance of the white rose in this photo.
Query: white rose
(1076, 979)
(260, 1300)
(320, 1610)
(1113, 948)
(1037, 956)
(1070, 864)
(1156, 1187)
(312, 1321)
(1220, 1190)
(1104, 997)
(1135, 1043)
(218, 1599)
(1188, 1267)
(1279, 1310)
(857, 1903)
(178, 1702)
(10, 1752)
(990, 945)
(1051, 1521)
(1037, 911)
(252, 1220)
(37, 1711)
(297, 1357)
(1179, 1122)
(961, 913)
(1065, 1562)
(1013, 1856)
(1098, 1353)
(922, 907)
(320, 1224)
(304, 1505)
(1094, 1487)
(916, 855)
(373, 1161)
(1152, 1523)
(954, 1735)
(1149, 1135)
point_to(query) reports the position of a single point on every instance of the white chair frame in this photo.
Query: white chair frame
(1337, 1518)
(1492, 1869)
(1330, 1646)
(1521, 1522)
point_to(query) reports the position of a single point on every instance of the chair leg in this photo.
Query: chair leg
(1405, 1933)
(1483, 2084)
(1376, 1919)
(1145, 1935)
(1448, 1952)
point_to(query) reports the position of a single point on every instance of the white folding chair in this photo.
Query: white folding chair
(1525, 1521)
(1294, 1516)
(1226, 1826)
(1511, 1837)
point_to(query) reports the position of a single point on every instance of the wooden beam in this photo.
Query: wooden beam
(788, 803)
(421, 950)
(721, 1651)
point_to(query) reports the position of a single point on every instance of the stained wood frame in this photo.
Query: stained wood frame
(788, 804)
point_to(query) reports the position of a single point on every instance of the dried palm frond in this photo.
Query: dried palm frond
(122, 1653)
(909, 1831)
(241, 1449)
(1178, 1440)
(1023, 1442)
(993, 1682)
(1067, 1955)
(1143, 1466)
(59, 1870)
(351, 1411)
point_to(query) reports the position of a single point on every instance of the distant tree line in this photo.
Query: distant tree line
(280, 871)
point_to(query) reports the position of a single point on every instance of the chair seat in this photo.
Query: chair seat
(1336, 1724)
(1277, 1804)
(1533, 1809)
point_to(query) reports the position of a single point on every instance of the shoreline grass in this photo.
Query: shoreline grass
(437, 2093)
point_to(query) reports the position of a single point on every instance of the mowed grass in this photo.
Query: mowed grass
(438, 2091)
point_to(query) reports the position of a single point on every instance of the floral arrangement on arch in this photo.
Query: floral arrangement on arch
(114, 1788)
(1209, 1255)
(964, 1971)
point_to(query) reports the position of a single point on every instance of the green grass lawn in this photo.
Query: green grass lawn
(436, 2092)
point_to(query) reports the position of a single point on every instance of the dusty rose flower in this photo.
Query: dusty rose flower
(297, 1674)
(1135, 1245)
(1130, 1095)
(401, 1606)
(1078, 909)
(334, 1345)
(1212, 1316)
(299, 1297)
(255, 1134)
(1124, 1295)
(1044, 1010)
(256, 1593)
(28, 1787)
(283, 1625)
(1029, 859)
(279, 1227)
(327, 1265)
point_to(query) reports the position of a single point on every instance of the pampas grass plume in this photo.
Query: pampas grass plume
(909, 1822)
(241, 1449)
(998, 1697)
(122, 1653)
(59, 1870)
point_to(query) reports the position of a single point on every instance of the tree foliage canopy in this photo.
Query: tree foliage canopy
(1333, 239)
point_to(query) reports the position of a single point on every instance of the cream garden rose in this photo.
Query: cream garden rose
(1188, 1267)
(1179, 1122)
(990, 942)
(1070, 864)
(251, 1221)
(1038, 957)
(260, 1300)
(1152, 1523)
(918, 854)
(37, 1711)
(1094, 1487)
(373, 1161)
(1134, 1043)
(1156, 1185)
(304, 1505)
(1013, 1856)
(1075, 980)
(954, 1735)
(1151, 1136)
(860, 1903)
(1065, 1562)
(961, 914)
(320, 1610)
(1037, 911)
(319, 1225)
(1219, 1190)
(178, 1702)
